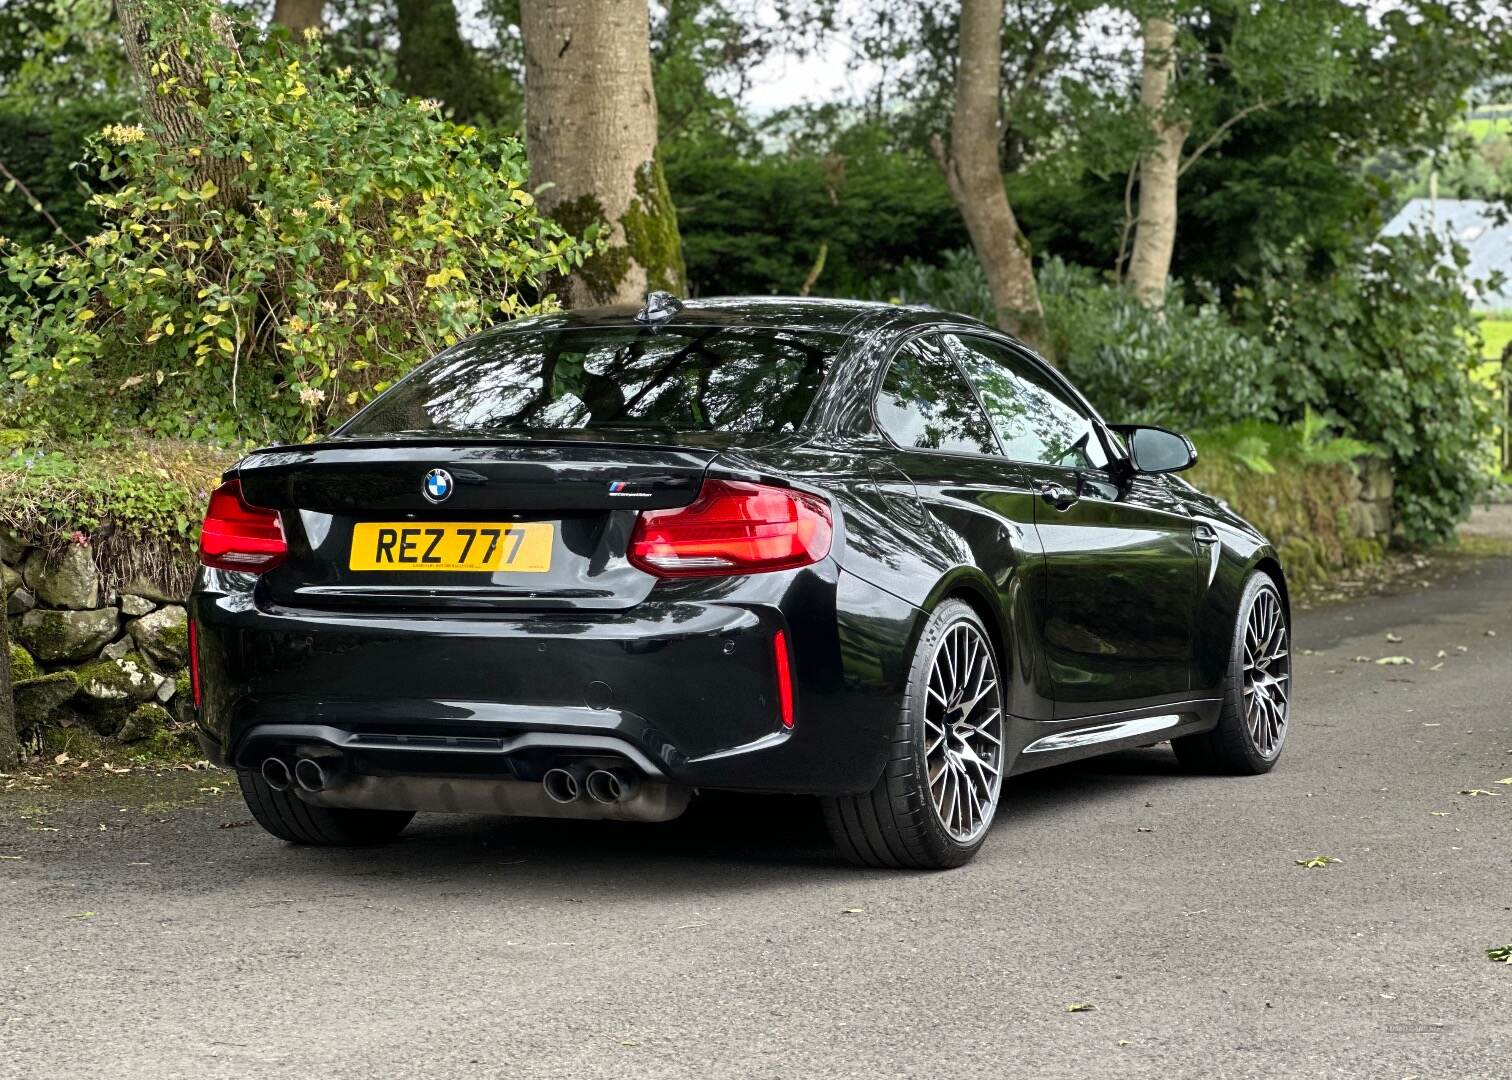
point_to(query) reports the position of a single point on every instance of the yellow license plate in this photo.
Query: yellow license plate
(480, 546)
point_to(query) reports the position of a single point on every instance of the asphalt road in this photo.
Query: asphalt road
(732, 944)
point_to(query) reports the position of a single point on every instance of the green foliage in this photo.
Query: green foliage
(755, 225)
(40, 145)
(360, 233)
(1185, 364)
(138, 501)
(1386, 344)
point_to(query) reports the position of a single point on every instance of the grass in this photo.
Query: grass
(1497, 333)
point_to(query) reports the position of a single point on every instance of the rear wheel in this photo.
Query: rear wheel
(1256, 693)
(936, 799)
(288, 817)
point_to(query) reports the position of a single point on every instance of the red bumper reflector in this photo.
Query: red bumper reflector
(784, 668)
(239, 536)
(194, 662)
(733, 528)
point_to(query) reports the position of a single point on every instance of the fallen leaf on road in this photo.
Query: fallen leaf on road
(1490, 633)
(1475, 791)
(1144, 828)
(1080, 1006)
(235, 824)
(1394, 638)
(1436, 666)
(1460, 648)
(82, 915)
(1442, 655)
(1502, 954)
(1362, 659)
(1438, 813)
(1505, 780)
(852, 910)
(11, 858)
(1394, 661)
(61, 759)
(1317, 862)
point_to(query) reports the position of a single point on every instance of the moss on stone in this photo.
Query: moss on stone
(78, 742)
(107, 681)
(38, 698)
(146, 721)
(651, 235)
(23, 667)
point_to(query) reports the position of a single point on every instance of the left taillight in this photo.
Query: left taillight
(239, 536)
(733, 527)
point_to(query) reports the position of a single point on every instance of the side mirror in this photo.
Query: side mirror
(1156, 450)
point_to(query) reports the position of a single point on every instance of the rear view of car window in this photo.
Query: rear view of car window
(1036, 419)
(926, 404)
(707, 378)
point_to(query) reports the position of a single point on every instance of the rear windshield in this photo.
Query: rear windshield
(707, 378)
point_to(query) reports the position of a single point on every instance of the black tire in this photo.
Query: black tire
(288, 817)
(1230, 748)
(896, 825)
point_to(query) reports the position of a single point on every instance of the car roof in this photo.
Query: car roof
(785, 312)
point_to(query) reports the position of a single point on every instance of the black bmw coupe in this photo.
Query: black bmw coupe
(588, 565)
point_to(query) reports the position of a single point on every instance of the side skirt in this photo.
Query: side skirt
(1039, 744)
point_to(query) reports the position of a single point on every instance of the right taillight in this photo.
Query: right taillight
(733, 527)
(239, 536)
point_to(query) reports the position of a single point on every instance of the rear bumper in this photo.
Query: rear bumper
(683, 686)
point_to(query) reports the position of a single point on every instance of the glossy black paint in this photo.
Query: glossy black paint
(1112, 593)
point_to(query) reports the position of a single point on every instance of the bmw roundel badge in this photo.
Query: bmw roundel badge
(437, 486)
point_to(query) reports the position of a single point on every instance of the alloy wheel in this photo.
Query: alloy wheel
(1267, 674)
(963, 732)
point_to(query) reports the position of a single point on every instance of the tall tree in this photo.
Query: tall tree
(974, 173)
(299, 15)
(1159, 166)
(590, 129)
(169, 47)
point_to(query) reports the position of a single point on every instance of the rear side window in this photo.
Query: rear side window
(707, 378)
(926, 404)
(1037, 421)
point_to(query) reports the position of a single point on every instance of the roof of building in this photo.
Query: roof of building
(1474, 225)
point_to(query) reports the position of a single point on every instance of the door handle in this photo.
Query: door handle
(1204, 534)
(1057, 495)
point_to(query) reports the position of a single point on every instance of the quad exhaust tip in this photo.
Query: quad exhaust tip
(309, 774)
(609, 786)
(563, 785)
(275, 774)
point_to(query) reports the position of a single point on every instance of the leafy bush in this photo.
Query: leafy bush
(364, 233)
(1184, 366)
(1387, 345)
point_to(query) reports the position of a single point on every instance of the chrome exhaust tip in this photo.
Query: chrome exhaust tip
(275, 774)
(562, 785)
(610, 786)
(310, 775)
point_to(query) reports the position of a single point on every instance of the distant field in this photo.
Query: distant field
(1500, 119)
(1497, 333)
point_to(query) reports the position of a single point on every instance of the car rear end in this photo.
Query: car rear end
(544, 575)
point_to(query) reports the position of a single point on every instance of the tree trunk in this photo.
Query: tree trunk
(153, 33)
(1155, 226)
(10, 744)
(975, 177)
(299, 15)
(590, 130)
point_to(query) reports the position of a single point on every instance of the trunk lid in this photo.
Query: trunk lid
(572, 498)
